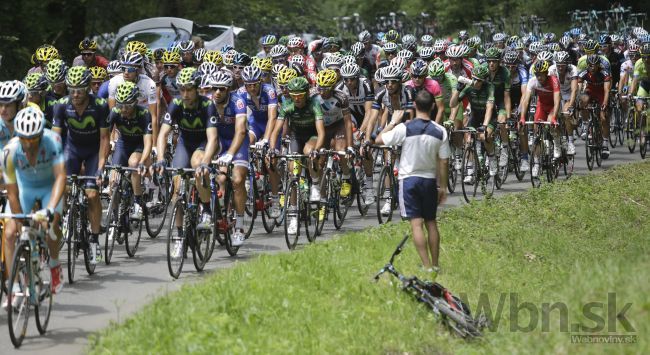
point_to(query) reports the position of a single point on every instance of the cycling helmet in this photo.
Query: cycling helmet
(616, 39)
(222, 79)
(78, 76)
(455, 51)
(136, 46)
(499, 37)
(298, 84)
(186, 46)
(349, 59)
(593, 59)
(350, 70)
(409, 42)
(565, 42)
(487, 46)
(266, 64)
(582, 38)
(463, 35)
(426, 53)
(591, 46)
(473, 42)
(393, 72)
(285, 75)
(493, 54)
(131, 58)
(326, 78)
(88, 45)
(171, 58)
(436, 68)
(604, 39)
(277, 68)
(33, 81)
(549, 37)
(418, 68)
(545, 55)
(284, 40)
(98, 73)
(12, 91)
(511, 57)
(440, 46)
(480, 72)
(296, 42)
(332, 61)
(213, 57)
(511, 41)
(208, 68)
(465, 50)
(645, 50)
(242, 59)
(279, 51)
(426, 40)
(251, 74)
(554, 47)
(633, 49)
(56, 70)
(390, 47)
(398, 62)
(406, 54)
(188, 77)
(46, 53)
(391, 36)
(228, 58)
(297, 59)
(114, 67)
(268, 40)
(379, 76)
(541, 66)
(199, 54)
(29, 122)
(225, 48)
(206, 81)
(357, 49)
(298, 68)
(562, 57)
(127, 93)
(535, 47)
(158, 54)
(365, 36)
(576, 31)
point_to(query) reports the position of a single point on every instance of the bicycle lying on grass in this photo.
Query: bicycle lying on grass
(451, 310)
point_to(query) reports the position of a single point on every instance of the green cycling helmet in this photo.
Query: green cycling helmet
(55, 71)
(493, 53)
(78, 76)
(480, 72)
(299, 84)
(187, 77)
(127, 93)
(436, 68)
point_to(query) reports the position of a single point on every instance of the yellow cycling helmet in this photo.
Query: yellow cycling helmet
(98, 73)
(213, 57)
(137, 46)
(326, 78)
(171, 58)
(541, 66)
(46, 53)
(285, 75)
(265, 64)
(88, 45)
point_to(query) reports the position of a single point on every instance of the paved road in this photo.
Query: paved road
(115, 292)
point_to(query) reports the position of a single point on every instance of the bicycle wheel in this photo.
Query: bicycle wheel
(70, 227)
(590, 149)
(133, 231)
(310, 215)
(250, 212)
(85, 237)
(18, 310)
(621, 127)
(112, 226)
(218, 217)
(643, 144)
(360, 182)
(613, 127)
(203, 242)
(452, 175)
(156, 215)
(470, 168)
(458, 321)
(341, 206)
(537, 162)
(43, 308)
(263, 201)
(292, 212)
(385, 195)
(229, 206)
(175, 237)
(630, 131)
(323, 206)
(598, 144)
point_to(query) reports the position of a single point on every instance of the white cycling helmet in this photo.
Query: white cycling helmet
(350, 70)
(29, 122)
(12, 91)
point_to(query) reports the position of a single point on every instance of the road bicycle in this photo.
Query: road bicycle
(542, 153)
(594, 140)
(447, 307)
(475, 166)
(387, 187)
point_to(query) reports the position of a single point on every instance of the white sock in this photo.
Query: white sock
(239, 220)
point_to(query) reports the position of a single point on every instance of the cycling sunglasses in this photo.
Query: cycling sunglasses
(324, 88)
(128, 69)
(122, 106)
(220, 88)
(170, 66)
(73, 91)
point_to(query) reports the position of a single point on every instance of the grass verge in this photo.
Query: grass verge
(574, 244)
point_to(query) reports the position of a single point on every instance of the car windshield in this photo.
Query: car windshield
(155, 37)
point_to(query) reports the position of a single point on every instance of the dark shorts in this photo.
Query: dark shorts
(123, 151)
(334, 131)
(476, 119)
(76, 157)
(418, 198)
(184, 151)
(241, 157)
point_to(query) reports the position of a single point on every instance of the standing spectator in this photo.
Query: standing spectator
(425, 151)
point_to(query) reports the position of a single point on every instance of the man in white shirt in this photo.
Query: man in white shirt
(425, 151)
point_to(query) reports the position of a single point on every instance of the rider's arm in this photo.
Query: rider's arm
(523, 107)
(279, 124)
(272, 113)
(104, 147)
(370, 123)
(146, 150)
(440, 104)
(9, 175)
(320, 130)
(489, 108)
(635, 85)
(59, 185)
(368, 112)
(557, 100)
(241, 122)
(162, 141)
(211, 145)
(574, 92)
(607, 86)
(507, 102)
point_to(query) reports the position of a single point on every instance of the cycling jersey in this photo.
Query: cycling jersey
(103, 90)
(406, 97)
(192, 122)
(334, 108)
(569, 76)
(131, 129)
(373, 54)
(641, 73)
(98, 62)
(430, 85)
(302, 121)
(447, 87)
(478, 98)
(465, 69)
(82, 130)
(47, 106)
(258, 116)
(169, 85)
(357, 99)
(545, 93)
(501, 82)
(226, 127)
(5, 133)
(604, 63)
(34, 182)
(147, 92)
(627, 68)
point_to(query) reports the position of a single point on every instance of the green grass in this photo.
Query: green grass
(571, 242)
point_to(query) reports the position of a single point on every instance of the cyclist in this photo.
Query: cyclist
(500, 78)
(197, 119)
(597, 83)
(114, 68)
(239, 62)
(419, 81)
(171, 65)
(88, 55)
(627, 74)
(304, 117)
(133, 147)
(483, 116)
(234, 143)
(81, 117)
(296, 46)
(455, 62)
(568, 76)
(338, 127)
(613, 55)
(261, 103)
(55, 75)
(99, 75)
(186, 49)
(34, 171)
(36, 86)
(267, 42)
(547, 89)
(641, 82)
(371, 51)
(43, 55)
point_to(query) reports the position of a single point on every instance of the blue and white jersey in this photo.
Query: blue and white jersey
(258, 115)
(227, 122)
(423, 143)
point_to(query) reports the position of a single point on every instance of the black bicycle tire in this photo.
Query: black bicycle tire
(41, 324)
(17, 338)
(384, 175)
(292, 241)
(154, 232)
(230, 218)
(90, 268)
(112, 214)
(175, 271)
(71, 240)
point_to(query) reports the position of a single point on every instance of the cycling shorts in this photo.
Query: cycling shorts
(74, 158)
(542, 111)
(257, 129)
(241, 157)
(28, 197)
(596, 95)
(478, 117)
(334, 131)
(184, 151)
(123, 151)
